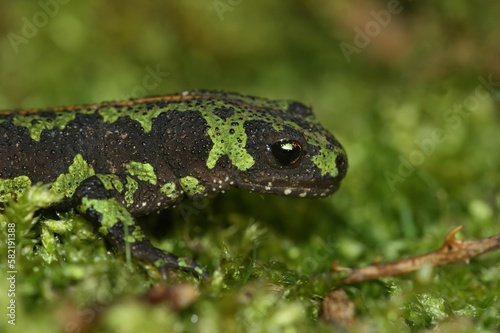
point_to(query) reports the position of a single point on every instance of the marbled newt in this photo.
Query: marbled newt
(116, 160)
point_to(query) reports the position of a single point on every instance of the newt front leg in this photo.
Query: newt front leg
(116, 224)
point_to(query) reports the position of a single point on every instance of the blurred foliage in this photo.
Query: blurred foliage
(409, 103)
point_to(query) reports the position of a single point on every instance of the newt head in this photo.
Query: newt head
(287, 152)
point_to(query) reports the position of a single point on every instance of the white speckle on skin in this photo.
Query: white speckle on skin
(322, 194)
(268, 188)
(287, 191)
(303, 194)
(144, 204)
(269, 184)
(158, 204)
(220, 181)
(231, 183)
(220, 186)
(185, 93)
(227, 178)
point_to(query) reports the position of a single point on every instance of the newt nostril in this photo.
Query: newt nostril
(341, 162)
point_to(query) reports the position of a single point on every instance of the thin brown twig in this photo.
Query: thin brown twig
(453, 250)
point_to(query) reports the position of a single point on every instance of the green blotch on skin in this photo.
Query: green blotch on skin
(191, 186)
(143, 171)
(12, 188)
(111, 182)
(144, 116)
(186, 263)
(229, 138)
(170, 190)
(138, 112)
(199, 270)
(135, 236)
(36, 123)
(182, 262)
(130, 187)
(112, 212)
(109, 114)
(325, 161)
(159, 263)
(66, 184)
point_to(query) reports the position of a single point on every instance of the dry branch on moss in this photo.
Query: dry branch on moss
(453, 250)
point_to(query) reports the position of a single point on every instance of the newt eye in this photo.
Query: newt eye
(287, 152)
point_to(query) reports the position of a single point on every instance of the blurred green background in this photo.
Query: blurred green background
(412, 91)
